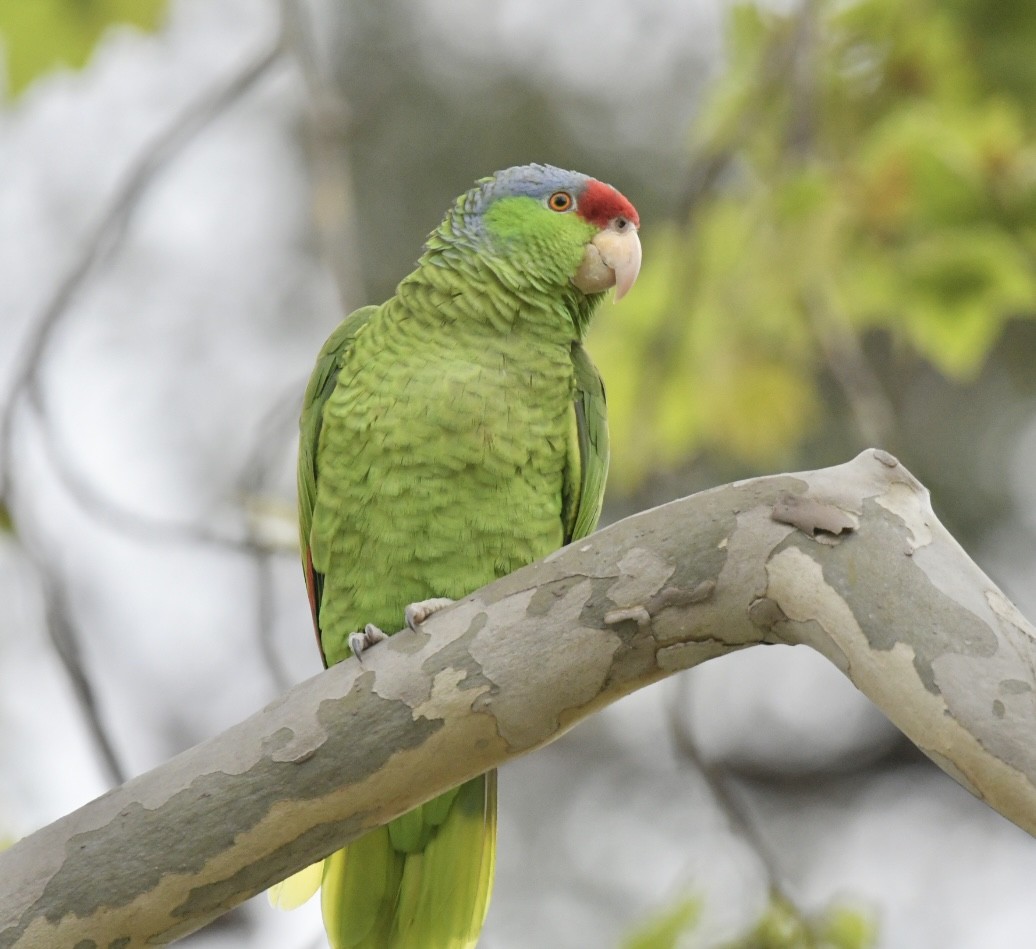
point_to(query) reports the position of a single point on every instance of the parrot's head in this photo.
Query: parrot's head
(550, 230)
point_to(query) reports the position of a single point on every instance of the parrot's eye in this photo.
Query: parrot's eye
(560, 201)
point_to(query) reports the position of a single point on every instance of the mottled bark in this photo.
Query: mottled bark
(849, 560)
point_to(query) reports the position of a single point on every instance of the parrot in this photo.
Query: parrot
(449, 436)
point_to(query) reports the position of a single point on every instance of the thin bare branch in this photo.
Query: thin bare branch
(272, 436)
(106, 233)
(327, 129)
(778, 66)
(66, 638)
(100, 242)
(738, 817)
(871, 409)
(137, 524)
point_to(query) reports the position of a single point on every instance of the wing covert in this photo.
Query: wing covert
(588, 455)
(321, 384)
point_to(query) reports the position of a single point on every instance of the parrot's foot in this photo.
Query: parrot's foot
(358, 642)
(416, 613)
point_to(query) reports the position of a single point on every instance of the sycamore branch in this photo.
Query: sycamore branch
(850, 560)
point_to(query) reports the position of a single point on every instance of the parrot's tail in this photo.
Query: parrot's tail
(421, 882)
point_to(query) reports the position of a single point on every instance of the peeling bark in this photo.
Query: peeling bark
(849, 560)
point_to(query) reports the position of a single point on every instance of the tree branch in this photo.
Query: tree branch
(850, 560)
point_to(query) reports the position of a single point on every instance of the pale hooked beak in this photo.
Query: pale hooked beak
(612, 259)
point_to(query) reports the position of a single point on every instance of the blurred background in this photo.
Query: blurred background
(838, 204)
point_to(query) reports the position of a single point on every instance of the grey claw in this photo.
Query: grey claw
(416, 613)
(358, 642)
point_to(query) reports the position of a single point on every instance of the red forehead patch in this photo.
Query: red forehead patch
(599, 203)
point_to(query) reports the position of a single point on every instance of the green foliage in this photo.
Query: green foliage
(877, 174)
(41, 35)
(782, 926)
(843, 927)
(664, 930)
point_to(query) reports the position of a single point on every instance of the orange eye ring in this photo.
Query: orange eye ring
(560, 201)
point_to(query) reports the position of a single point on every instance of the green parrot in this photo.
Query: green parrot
(448, 437)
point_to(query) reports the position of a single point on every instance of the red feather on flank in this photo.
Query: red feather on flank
(599, 203)
(314, 607)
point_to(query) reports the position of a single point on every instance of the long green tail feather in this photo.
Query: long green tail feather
(297, 889)
(358, 893)
(431, 893)
(411, 832)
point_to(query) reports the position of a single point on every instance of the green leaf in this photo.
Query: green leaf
(846, 927)
(958, 289)
(664, 930)
(783, 926)
(40, 36)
